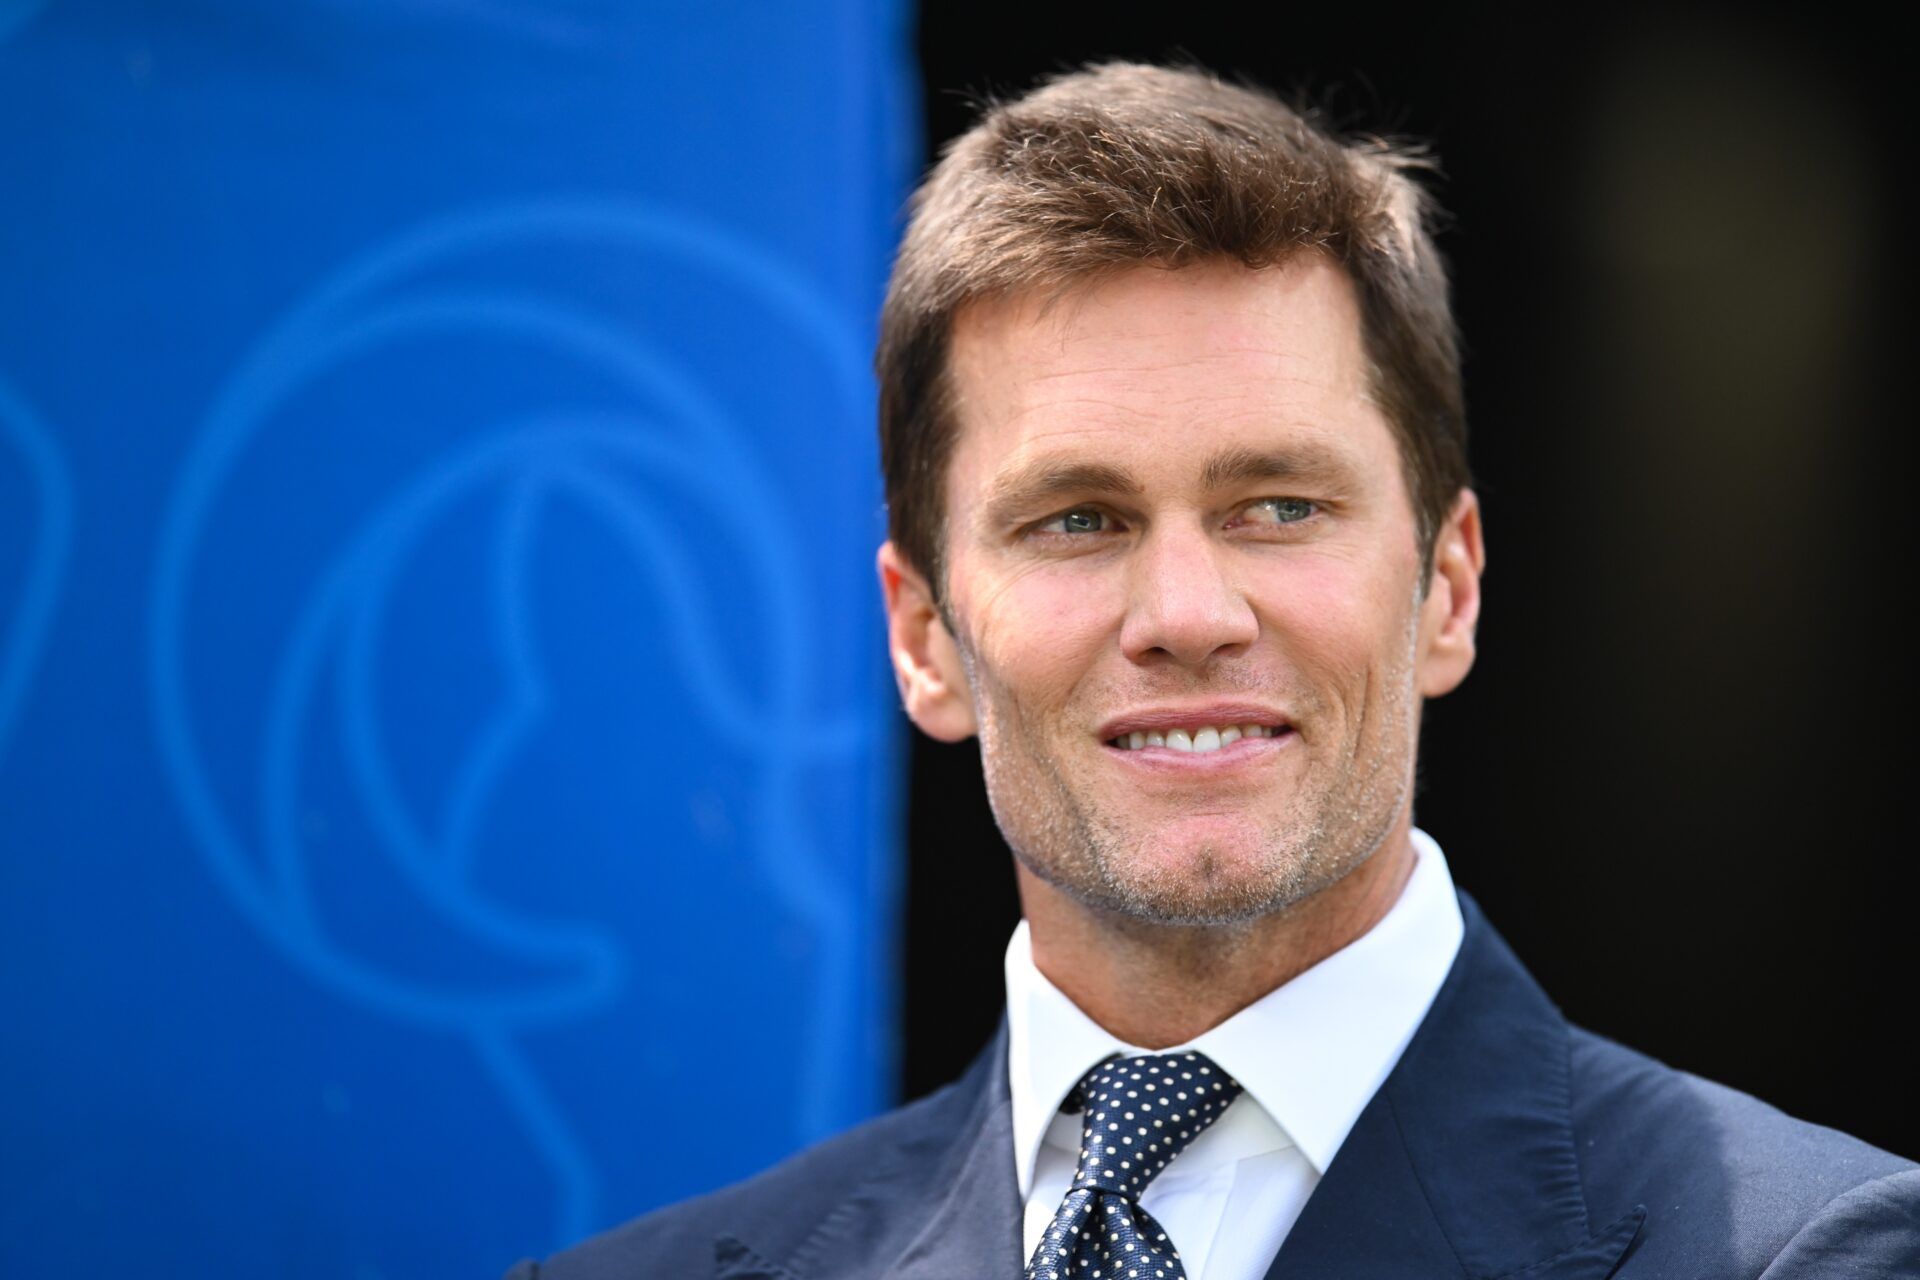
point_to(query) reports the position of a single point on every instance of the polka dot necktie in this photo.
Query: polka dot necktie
(1137, 1114)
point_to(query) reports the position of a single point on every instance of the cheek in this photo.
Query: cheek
(1335, 620)
(1041, 632)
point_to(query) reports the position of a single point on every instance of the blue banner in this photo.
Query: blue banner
(447, 782)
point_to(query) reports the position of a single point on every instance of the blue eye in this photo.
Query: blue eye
(1285, 510)
(1079, 520)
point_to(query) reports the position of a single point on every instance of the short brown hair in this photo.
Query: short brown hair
(1122, 164)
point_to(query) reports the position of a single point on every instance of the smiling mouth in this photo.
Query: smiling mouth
(1198, 741)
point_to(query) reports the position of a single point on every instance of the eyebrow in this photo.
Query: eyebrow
(1036, 483)
(1311, 463)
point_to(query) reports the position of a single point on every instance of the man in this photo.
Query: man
(1182, 531)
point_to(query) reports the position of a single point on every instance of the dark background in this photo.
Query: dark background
(1677, 778)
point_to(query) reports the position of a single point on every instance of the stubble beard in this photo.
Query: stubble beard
(1342, 812)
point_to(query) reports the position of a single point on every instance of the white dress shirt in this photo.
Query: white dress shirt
(1310, 1054)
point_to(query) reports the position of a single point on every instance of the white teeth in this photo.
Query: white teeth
(1204, 739)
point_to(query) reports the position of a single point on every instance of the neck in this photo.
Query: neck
(1156, 985)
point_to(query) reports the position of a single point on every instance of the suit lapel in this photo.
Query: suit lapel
(944, 1204)
(974, 1229)
(1463, 1163)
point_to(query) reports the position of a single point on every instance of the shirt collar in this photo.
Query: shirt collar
(1311, 1052)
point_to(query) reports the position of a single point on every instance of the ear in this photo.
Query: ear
(926, 662)
(1452, 607)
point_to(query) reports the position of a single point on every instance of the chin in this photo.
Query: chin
(1228, 847)
(1216, 907)
(1201, 882)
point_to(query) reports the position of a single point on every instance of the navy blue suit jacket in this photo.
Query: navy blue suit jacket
(1506, 1143)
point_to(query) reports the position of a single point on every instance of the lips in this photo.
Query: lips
(1202, 740)
(1249, 720)
(1193, 718)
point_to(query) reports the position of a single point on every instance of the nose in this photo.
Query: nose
(1182, 601)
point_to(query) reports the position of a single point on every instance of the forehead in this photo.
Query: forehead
(1160, 370)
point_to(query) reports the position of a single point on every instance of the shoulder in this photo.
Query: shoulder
(1721, 1169)
(1626, 1102)
(781, 1202)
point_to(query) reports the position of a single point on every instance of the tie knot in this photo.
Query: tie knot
(1142, 1112)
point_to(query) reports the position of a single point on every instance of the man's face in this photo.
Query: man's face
(1177, 520)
